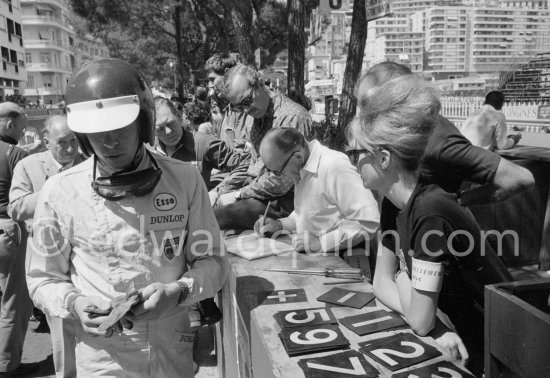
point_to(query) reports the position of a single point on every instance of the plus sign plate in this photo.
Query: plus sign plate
(282, 296)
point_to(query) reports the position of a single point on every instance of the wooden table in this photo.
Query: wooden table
(251, 346)
(541, 157)
(517, 329)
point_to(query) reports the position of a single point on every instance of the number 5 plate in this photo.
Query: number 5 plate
(305, 317)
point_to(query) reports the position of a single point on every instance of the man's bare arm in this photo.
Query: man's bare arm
(509, 179)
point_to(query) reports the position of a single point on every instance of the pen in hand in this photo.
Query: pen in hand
(262, 223)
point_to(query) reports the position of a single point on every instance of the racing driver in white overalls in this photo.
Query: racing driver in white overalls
(124, 220)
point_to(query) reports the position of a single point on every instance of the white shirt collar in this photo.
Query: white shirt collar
(312, 164)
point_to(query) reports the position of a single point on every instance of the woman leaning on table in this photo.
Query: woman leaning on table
(436, 258)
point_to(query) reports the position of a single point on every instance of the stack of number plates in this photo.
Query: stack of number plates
(310, 331)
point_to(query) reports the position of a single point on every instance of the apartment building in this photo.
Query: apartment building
(13, 73)
(469, 40)
(401, 47)
(89, 48)
(49, 49)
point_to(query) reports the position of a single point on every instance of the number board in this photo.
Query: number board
(350, 363)
(348, 298)
(370, 322)
(441, 369)
(282, 296)
(312, 339)
(399, 351)
(305, 317)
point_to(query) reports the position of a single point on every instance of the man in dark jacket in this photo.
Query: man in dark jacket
(15, 303)
(205, 151)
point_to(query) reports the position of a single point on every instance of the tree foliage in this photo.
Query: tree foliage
(143, 31)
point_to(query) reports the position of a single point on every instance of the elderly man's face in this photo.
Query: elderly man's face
(62, 142)
(280, 163)
(245, 98)
(168, 127)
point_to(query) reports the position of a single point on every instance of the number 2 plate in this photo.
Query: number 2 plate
(442, 369)
(399, 351)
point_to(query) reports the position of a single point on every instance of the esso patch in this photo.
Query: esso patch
(164, 201)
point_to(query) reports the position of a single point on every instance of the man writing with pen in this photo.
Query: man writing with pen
(332, 209)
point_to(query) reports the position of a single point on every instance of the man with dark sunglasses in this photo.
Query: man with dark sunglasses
(332, 209)
(246, 92)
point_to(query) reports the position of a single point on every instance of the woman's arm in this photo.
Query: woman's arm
(419, 306)
(384, 286)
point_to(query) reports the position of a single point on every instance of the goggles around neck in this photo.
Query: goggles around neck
(122, 185)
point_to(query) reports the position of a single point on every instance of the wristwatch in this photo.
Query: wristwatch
(184, 291)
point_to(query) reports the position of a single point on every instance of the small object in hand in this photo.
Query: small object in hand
(121, 306)
(94, 312)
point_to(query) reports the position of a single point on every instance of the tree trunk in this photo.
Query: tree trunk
(241, 15)
(348, 101)
(296, 52)
(179, 51)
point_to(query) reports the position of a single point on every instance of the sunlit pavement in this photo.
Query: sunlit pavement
(38, 349)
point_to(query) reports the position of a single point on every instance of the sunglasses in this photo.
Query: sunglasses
(245, 102)
(353, 154)
(280, 171)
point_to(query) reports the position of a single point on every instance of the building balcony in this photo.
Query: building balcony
(42, 91)
(49, 20)
(48, 67)
(60, 4)
(48, 44)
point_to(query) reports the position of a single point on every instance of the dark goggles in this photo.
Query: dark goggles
(122, 185)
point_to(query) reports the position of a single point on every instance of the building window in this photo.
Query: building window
(2, 22)
(47, 81)
(28, 58)
(30, 81)
(45, 57)
(5, 54)
(11, 29)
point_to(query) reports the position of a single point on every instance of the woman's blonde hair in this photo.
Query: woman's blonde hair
(399, 117)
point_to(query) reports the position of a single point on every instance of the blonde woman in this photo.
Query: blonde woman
(434, 257)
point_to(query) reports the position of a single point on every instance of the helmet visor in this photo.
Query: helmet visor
(102, 115)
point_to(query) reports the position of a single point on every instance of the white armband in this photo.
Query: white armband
(426, 275)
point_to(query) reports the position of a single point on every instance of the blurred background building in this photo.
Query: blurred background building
(465, 47)
(13, 74)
